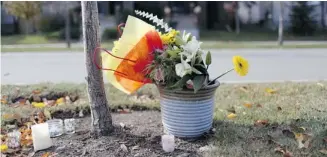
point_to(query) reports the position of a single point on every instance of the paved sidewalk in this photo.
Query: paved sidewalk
(80, 44)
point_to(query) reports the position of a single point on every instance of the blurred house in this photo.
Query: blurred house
(213, 15)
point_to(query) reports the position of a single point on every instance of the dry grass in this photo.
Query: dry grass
(300, 104)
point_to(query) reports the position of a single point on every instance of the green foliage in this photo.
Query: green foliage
(56, 22)
(75, 33)
(198, 82)
(208, 58)
(23, 9)
(51, 23)
(110, 34)
(302, 19)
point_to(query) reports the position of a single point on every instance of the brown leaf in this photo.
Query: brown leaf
(259, 105)
(232, 110)
(47, 154)
(261, 123)
(279, 108)
(248, 105)
(4, 99)
(323, 151)
(285, 152)
(244, 89)
(303, 140)
(36, 91)
(325, 139)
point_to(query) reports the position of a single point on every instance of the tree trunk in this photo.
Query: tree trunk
(280, 26)
(101, 117)
(67, 24)
(237, 19)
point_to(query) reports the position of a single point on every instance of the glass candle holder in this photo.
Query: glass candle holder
(69, 126)
(13, 140)
(56, 127)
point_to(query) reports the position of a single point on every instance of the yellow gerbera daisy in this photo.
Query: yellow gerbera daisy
(241, 65)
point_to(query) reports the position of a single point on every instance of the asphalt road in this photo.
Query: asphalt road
(266, 65)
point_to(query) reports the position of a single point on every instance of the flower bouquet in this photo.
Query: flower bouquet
(176, 64)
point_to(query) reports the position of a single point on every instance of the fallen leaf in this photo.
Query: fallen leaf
(271, 91)
(259, 105)
(47, 154)
(123, 147)
(244, 89)
(231, 110)
(231, 116)
(279, 108)
(303, 140)
(284, 151)
(36, 91)
(261, 123)
(325, 139)
(38, 104)
(323, 151)
(4, 147)
(4, 99)
(60, 101)
(248, 105)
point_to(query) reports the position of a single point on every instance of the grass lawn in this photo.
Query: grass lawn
(258, 35)
(291, 104)
(205, 45)
(211, 39)
(26, 39)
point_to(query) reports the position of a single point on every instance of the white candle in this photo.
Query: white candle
(41, 136)
(168, 143)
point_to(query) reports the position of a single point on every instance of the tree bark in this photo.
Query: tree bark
(101, 117)
(280, 26)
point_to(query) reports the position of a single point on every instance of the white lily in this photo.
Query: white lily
(183, 68)
(185, 36)
(191, 48)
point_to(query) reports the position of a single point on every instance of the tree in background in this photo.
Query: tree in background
(302, 21)
(280, 24)
(25, 10)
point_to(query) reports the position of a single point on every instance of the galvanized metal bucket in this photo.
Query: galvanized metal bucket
(185, 113)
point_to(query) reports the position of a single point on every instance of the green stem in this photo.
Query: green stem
(221, 75)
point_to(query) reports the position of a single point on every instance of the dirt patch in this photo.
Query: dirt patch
(141, 135)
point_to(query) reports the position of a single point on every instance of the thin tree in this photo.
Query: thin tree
(101, 117)
(67, 25)
(237, 18)
(280, 26)
(25, 10)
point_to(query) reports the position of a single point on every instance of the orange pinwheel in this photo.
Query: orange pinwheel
(126, 63)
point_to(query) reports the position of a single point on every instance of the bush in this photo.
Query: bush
(60, 35)
(51, 23)
(302, 21)
(75, 33)
(110, 34)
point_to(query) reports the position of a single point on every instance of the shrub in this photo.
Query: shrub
(110, 34)
(51, 23)
(302, 21)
